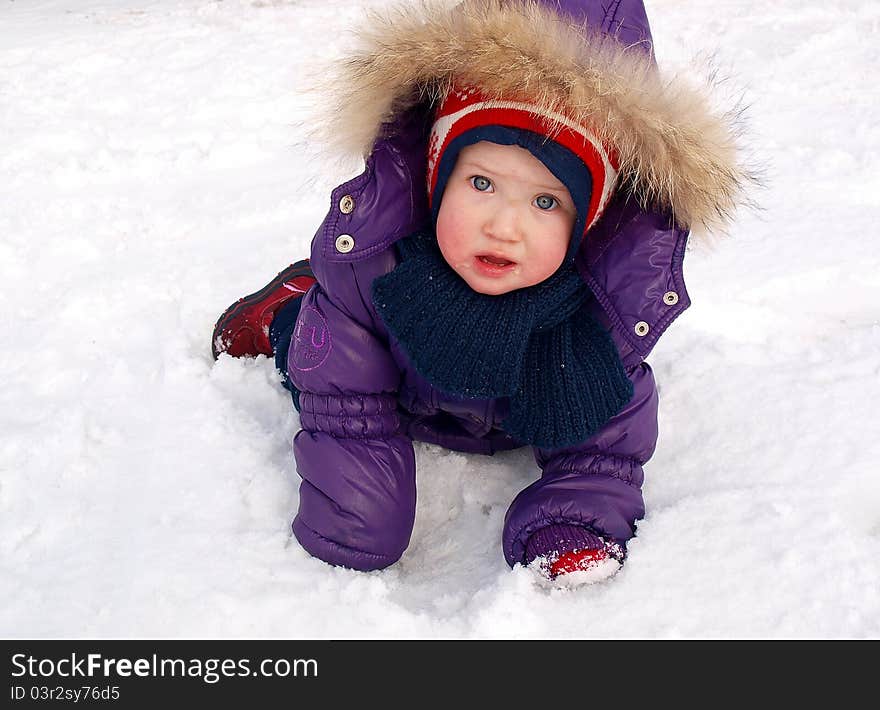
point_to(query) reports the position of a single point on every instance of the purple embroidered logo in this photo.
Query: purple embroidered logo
(311, 340)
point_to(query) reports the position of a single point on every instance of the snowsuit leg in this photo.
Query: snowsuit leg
(358, 495)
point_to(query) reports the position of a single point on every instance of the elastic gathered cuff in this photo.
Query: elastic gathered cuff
(626, 468)
(363, 416)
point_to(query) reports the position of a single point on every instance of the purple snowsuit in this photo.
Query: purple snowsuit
(362, 403)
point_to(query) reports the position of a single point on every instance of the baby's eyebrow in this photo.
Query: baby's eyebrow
(553, 188)
(559, 187)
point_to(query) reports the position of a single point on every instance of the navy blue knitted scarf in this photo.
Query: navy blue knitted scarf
(538, 346)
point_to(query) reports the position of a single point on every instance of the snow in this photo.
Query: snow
(154, 170)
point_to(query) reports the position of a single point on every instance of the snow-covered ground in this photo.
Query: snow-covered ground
(152, 172)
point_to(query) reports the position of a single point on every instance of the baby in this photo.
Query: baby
(510, 303)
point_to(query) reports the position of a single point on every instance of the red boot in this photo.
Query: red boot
(243, 329)
(577, 561)
(573, 569)
(569, 555)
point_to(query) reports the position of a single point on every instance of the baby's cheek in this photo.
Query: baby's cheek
(546, 261)
(450, 237)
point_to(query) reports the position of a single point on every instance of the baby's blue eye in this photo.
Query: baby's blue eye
(545, 202)
(481, 183)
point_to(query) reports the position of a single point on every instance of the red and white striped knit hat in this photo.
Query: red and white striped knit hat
(466, 108)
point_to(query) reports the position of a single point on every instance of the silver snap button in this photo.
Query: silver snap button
(642, 328)
(670, 298)
(346, 204)
(344, 243)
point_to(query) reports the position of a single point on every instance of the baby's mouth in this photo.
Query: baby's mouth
(493, 266)
(494, 260)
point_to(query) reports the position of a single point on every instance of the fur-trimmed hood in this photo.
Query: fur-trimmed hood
(567, 56)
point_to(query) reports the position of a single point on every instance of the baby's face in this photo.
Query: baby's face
(505, 220)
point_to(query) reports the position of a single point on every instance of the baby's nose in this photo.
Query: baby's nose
(504, 225)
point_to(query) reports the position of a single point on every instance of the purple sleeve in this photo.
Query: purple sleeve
(357, 496)
(596, 484)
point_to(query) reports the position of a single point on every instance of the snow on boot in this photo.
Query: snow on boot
(570, 555)
(582, 567)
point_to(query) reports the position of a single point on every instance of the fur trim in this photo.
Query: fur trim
(674, 152)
